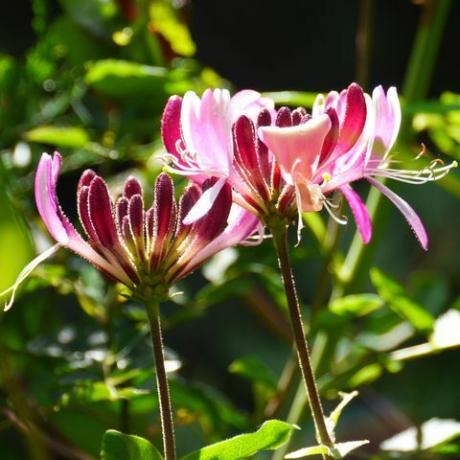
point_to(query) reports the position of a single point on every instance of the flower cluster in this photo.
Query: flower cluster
(146, 250)
(282, 162)
(249, 166)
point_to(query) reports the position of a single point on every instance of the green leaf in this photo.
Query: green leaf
(292, 98)
(337, 412)
(340, 450)
(356, 304)
(269, 436)
(71, 136)
(308, 451)
(125, 80)
(394, 294)
(253, 369)
(119, 446)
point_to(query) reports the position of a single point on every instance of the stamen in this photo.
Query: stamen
(28, 269)
(343, 220)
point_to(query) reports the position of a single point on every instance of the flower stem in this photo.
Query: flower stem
(303, 354)
(164, 400)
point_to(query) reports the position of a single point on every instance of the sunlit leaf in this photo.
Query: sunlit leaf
(337, 412)
(293, 98)
(396, 298)
(308, 451)
(119, 446)
(340, 450)
(356, 304)
(271, 435)
(124, 79)
(70, 136)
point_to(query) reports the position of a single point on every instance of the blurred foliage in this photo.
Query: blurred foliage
(75, 355)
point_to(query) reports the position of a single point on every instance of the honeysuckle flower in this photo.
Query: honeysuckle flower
(197, 134)
(348, 137)
(146, 250)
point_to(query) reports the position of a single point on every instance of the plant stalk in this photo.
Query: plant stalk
(164, 399)
(303, 354)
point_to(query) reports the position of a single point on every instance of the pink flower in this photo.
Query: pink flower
(197, 134)
(347, 138)
(146, 250)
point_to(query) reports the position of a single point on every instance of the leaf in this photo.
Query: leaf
(356, 304)
(340, 450)
(119, 446)
(125, 80)
(344, 448)
(337, 412)
(59, 136)
(433, 433)
(292, 98)
(394, 294)
(271, 435)
(253, 369)
(308, 451)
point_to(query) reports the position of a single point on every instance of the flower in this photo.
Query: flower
(348, 137)
(197, 134)
(146, 250)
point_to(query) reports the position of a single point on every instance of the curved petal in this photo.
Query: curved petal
(205, 202)
(249, 102)
(58, 224)
(411, 216)
(388, 119)
(359, 210)
(206, 130)
(298, 146)
(241, 224)
(46, 198)
(170, 124)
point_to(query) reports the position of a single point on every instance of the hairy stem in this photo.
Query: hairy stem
(303, 354)
(164, 399)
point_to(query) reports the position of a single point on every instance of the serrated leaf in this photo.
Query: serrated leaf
(119, 446)
(393, 293)
(60, 136)
(356, 304)
(271, 435)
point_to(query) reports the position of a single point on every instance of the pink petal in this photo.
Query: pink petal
(205, 202)
(359, 210)
(206, 130)
(354, 118)
(412, 218)
(46, 197)
(241, 224)
(298, 146)
(170, 124)
(387, 119)
(57, 223)
(250, 103)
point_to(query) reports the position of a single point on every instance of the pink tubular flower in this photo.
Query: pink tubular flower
(347, 138)
(146, 250)
(197, 134)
